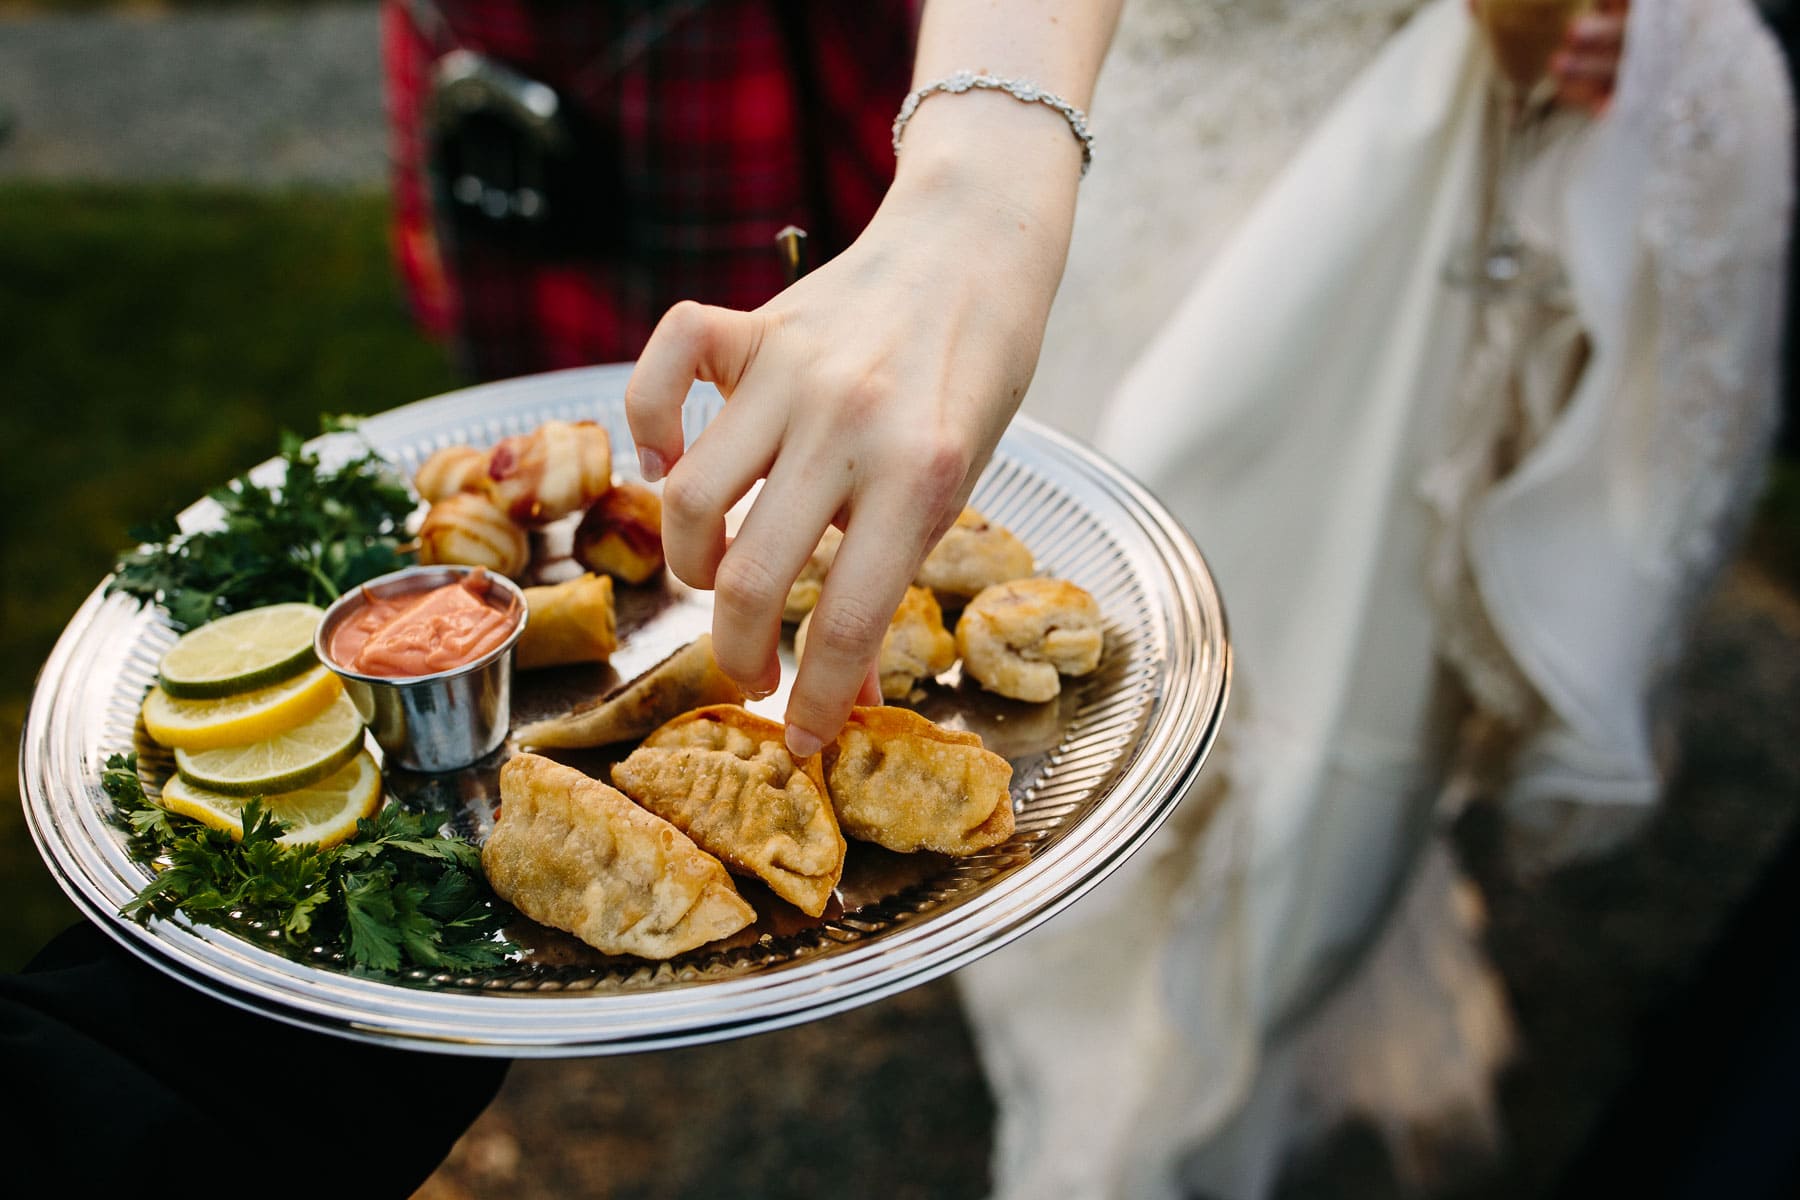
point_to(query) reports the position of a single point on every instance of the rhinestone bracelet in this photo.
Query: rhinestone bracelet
(1018, 89)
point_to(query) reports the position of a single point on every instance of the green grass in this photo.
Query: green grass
(155, 342)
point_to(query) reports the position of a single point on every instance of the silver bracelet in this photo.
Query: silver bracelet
(1018, 89)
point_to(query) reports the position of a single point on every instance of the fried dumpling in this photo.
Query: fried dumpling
(1020, 638)
(916, 645)
(973, 554)
(900, 781)
(724, 776)
(568, 622)
(689, 678)
(804, 594)
(572, 853)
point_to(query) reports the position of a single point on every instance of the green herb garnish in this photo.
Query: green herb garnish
(396, 895)
(307, 538)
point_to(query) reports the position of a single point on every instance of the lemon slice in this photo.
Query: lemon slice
(296, 758)
(240, 719)
(242, 652)
(324, 814)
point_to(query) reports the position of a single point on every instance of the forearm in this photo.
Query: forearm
(1020, 162)
(1057, 43)
(984, 178)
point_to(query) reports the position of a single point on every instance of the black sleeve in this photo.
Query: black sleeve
(122, 1078)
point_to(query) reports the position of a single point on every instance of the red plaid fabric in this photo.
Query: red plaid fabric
(728, 120)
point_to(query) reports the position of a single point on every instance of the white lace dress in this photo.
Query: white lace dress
(1457, 546)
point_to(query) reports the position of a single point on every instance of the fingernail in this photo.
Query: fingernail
(802, 744)
(758, 693)
(651, 464)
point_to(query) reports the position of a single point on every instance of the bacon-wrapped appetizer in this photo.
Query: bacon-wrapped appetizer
(466, 528)
(621, 534)
(449, 471)
(558, 468)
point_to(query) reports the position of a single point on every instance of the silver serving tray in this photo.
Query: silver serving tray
(1095, 774)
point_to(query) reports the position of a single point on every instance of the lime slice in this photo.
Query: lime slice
(323, 814)
(242, 652)
(240, 719)
(298, 758)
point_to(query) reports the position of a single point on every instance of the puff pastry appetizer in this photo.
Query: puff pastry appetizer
(973, 554)
(900, 781)
(725, 778)
(916, 645)
(1020, 638)
(572, 853)
(689, 678)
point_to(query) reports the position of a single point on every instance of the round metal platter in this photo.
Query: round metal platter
(1094, 774)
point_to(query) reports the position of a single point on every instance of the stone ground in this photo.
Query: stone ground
(888, 1100)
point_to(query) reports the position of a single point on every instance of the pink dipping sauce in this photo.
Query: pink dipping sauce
(422, 633)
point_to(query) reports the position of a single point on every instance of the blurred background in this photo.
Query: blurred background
(194, 256)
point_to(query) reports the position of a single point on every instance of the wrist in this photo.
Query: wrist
(1008, 171)
(983, 133)
(1025, 91)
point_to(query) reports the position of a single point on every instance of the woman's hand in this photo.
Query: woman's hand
(1586, 69)
(869, 394)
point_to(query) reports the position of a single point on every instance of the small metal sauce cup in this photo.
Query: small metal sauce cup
(438, 722)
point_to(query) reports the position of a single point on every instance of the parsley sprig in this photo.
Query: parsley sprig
(309, 537)
(396, 895)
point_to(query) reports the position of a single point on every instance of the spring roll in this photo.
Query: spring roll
(568, 622)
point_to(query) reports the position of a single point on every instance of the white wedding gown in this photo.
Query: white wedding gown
(1457, 547)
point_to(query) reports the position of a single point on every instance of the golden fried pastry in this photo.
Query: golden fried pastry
(621, 534)
(900, 781)
(916, 645)
(569, 622)
(687, 679)
(725, 778)
(449, 471)
(558, 468)
(973, 554)
(572, 853)
(804, 593)
(1020, 638)
(467, 529)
